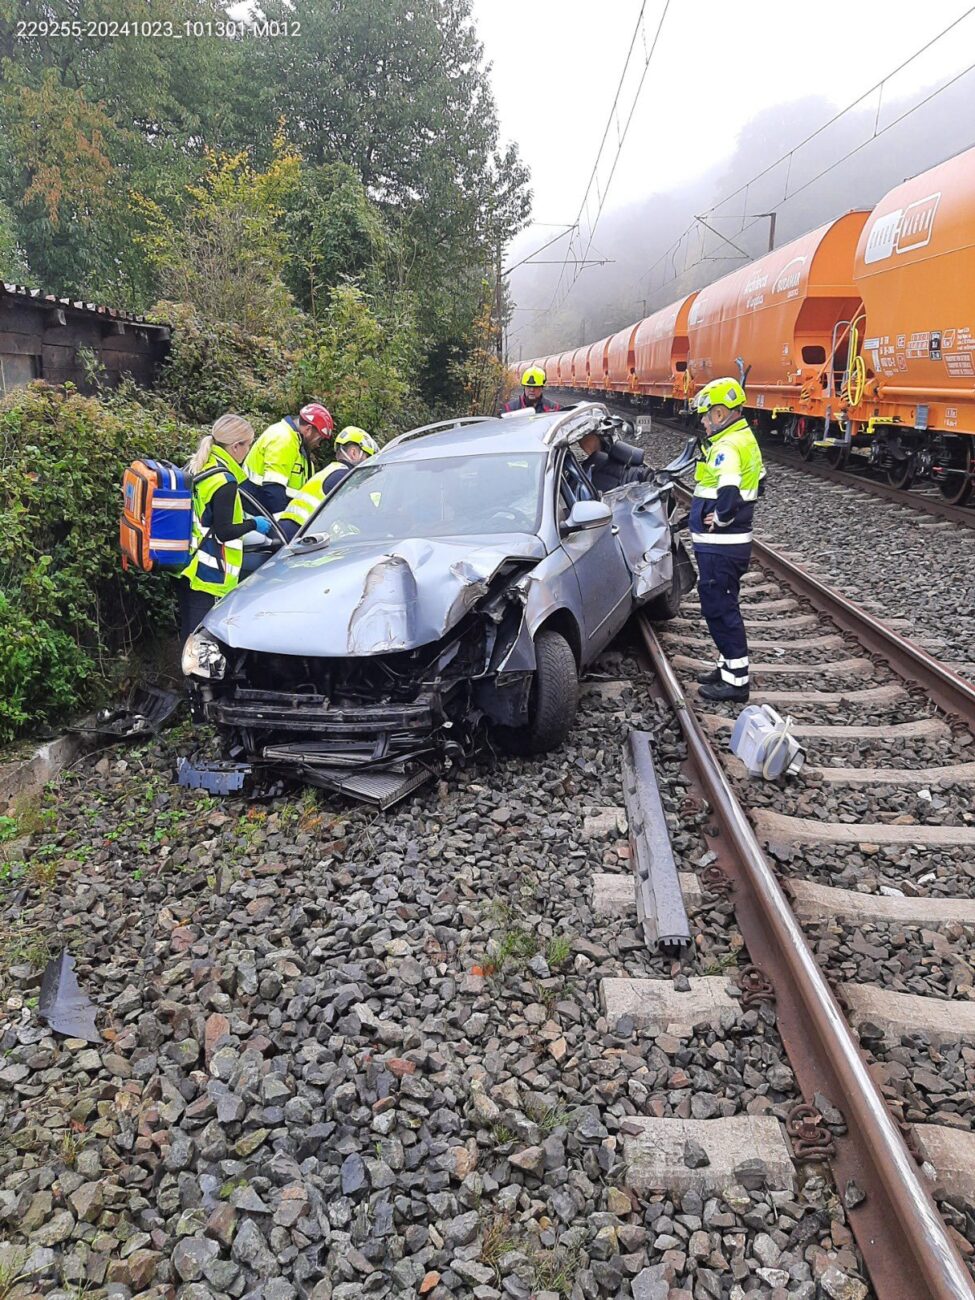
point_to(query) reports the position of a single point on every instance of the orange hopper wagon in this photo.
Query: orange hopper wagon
(781, 325)
(660, 348)
(913, 393)
(621, 361)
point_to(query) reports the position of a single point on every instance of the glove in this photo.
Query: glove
(263, 525)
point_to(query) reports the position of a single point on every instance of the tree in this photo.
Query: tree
(362, 363)
(225, 253)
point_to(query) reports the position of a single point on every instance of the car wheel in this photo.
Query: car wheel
(554, 698)
(666, 605)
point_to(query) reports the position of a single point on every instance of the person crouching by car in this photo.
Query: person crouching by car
(352, 446)
(219, 521)
(280, 460)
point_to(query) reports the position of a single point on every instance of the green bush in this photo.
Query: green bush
(217, 367)
(67, 609)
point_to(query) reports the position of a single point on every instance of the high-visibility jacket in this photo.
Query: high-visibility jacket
(279, 456)
(727, 484)
(314, 492)
(214, 566)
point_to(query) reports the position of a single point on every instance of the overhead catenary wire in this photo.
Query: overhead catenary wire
(579, 262)
(788, 156)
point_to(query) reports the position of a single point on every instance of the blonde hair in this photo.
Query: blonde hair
(226, 430)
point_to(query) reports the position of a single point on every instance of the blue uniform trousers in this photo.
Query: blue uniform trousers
(720, 575)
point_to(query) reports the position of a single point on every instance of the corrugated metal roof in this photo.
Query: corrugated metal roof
(111, 313)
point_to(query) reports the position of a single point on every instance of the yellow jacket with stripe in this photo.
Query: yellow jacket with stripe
(727, 484)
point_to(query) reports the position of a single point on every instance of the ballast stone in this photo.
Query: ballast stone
(656, 1156)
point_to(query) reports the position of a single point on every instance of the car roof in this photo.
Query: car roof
(519, 434)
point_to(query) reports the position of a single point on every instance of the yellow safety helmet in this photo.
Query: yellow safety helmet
(719, 392)
(534, 377)
(353, 435)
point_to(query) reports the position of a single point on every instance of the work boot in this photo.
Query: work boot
(709, 679)
(725, 691)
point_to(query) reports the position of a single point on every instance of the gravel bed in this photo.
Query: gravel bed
(934, 963)
(913, 872)
(352, 1055)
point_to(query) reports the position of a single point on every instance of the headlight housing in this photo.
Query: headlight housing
(202, 657)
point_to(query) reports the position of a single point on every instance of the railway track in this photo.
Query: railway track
(867, 704)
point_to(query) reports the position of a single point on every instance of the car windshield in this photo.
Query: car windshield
(441, 497)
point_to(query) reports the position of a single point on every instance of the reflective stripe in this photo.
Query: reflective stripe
(721, 539)
(735, 663)
(167, 546)
(291, 492)
(708, 493)
(272, 476)
(157, 504)
(733, 679)
(729, 480)
(749, 494)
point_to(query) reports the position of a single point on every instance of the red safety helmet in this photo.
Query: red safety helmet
(318, 415)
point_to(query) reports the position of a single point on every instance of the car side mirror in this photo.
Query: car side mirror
(585, 515)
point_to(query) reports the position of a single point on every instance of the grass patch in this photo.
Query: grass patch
(551, 1118)
(555, 1270)
(502, 1134)
(558, 950)
(721, 964)
(498, 1239)
(10, 1275)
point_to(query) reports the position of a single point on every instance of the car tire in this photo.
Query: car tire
(666, 605)
(554, 698)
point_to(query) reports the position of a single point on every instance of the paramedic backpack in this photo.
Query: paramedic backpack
(157, 516)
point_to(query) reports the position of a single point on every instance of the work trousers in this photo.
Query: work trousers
(719, 581)
(193, 607)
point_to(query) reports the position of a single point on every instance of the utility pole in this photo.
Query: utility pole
(499, 342)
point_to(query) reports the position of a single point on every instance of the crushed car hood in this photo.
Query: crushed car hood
(364, 598)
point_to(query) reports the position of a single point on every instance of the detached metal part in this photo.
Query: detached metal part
(146, 711)
(216, 778)
(62, 1004)
(382, 789)
(659, 901)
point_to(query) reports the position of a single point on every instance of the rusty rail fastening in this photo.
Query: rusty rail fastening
(717, 881)
(811, 1139)
(905, 1244)
(756, 987)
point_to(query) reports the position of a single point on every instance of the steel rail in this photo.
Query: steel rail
(962, 515)
(949, 691)
(905, 1244)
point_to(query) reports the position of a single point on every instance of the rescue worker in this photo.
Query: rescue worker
(352, 446)
(728, 478)
(219, 521)
(532, 394)
(280, 461)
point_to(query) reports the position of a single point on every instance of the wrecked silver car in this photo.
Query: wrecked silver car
(454, 586)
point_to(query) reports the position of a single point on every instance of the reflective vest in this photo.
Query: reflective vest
(732, 460)
(279, 456)
(214, 566)
(314, 492)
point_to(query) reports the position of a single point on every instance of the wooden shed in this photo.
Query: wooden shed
(42, 337)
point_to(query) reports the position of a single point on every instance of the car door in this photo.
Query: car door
(643, 529)
(605, 582)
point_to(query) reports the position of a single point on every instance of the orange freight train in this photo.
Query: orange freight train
(857, 338)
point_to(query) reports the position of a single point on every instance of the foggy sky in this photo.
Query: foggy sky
(787, 77)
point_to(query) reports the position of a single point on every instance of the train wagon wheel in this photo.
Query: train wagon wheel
(957, 488)
(804, 440)
(836, 457)
(900, 473)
